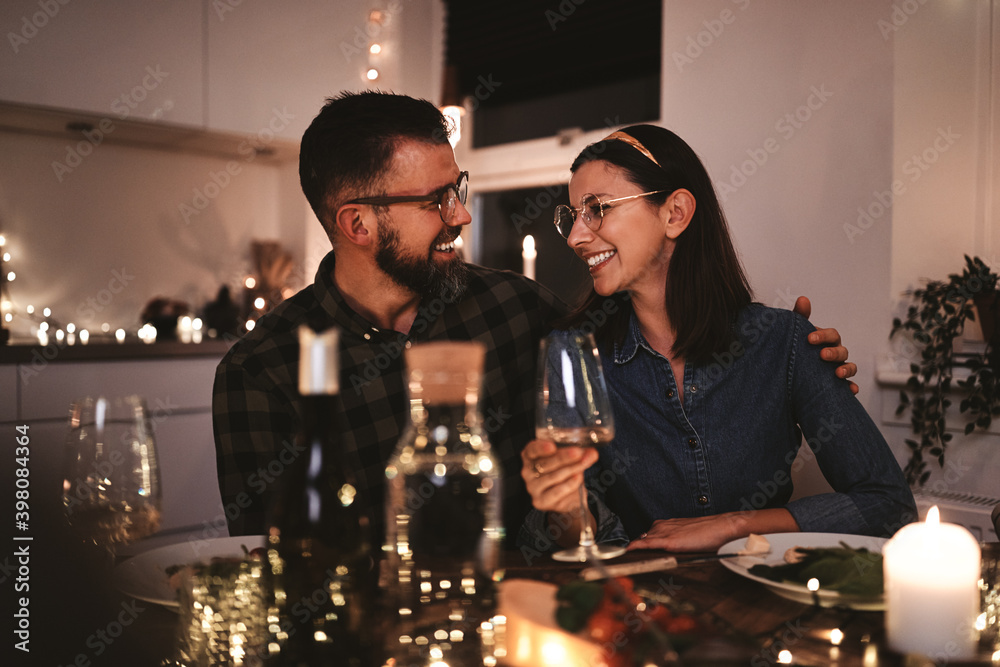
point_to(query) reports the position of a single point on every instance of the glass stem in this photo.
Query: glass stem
(586, 532)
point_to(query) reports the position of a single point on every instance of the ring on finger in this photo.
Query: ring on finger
(538, 470)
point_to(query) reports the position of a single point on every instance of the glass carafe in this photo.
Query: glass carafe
(443, 523)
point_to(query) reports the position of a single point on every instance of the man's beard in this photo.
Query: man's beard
(421, 275)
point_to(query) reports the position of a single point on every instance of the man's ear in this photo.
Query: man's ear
(354, 225)
(677, 212)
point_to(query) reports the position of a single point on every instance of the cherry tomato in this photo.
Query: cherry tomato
(680, 625)
(602, 627)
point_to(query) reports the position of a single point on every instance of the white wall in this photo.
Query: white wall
(791, 108)
(256, 71)
(805, 112)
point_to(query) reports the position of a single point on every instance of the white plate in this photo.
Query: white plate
(780, 543)
(144, 576)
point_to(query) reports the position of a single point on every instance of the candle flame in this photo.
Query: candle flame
(933, 516)
(529, 243)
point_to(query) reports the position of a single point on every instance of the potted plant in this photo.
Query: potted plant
(935, 320)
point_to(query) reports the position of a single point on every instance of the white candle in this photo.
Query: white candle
(931, 572)
(528, 254)
(184, 329)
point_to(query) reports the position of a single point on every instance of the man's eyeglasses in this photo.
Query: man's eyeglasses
(447, 198)
(591, 211)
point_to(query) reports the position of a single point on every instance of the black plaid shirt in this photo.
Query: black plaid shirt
(255, 399)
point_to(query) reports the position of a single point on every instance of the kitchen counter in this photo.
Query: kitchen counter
(56, 352)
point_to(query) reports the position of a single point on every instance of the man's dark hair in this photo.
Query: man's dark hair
(347, 150)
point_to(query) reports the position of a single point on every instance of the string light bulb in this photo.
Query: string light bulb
(371, 74)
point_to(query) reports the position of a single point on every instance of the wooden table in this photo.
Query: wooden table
(754, 624)
(79, 619)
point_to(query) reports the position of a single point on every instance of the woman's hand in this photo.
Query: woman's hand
(553, 475)
(708, 533)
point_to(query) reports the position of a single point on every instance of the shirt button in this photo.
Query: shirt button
(702, 500)
(368, 336)
(692, 442)
(694, 389)
(670, 393)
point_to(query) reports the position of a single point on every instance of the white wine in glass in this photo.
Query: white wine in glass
(573, 410)
(111, 482)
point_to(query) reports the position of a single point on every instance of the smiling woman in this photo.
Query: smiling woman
(679, 351)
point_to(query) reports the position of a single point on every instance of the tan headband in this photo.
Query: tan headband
(633, 142)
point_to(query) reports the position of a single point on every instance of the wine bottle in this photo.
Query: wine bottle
(318, 548)
(443, 522)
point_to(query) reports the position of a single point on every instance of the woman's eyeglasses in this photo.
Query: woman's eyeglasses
(447, 198)
(591, 211)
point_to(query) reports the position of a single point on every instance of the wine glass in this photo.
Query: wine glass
(573, 410)
(111, 482)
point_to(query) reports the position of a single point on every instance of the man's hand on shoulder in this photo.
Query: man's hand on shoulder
(833, 348)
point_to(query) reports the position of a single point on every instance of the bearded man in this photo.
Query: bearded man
(379, 173)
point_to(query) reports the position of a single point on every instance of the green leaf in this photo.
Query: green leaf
(844, 569)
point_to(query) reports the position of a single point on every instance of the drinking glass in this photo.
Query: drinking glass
(111, 482)
(573, 410)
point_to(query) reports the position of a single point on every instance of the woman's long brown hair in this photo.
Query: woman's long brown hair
(706, 284)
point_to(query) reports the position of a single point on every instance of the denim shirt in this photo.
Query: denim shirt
(731, 444)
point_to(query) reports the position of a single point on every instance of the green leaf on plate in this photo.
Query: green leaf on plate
(844, 569)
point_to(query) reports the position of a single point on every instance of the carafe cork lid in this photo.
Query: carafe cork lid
(446, 372)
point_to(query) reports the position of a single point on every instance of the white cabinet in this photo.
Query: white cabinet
(270, 69)
(259, 69)
(115, 58)
(178, 393)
